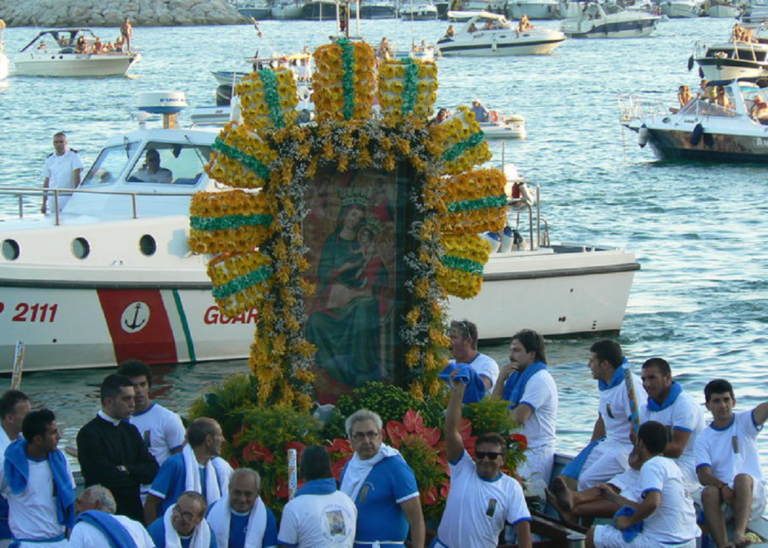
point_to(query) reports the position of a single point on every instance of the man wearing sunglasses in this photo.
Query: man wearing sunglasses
(482, 498)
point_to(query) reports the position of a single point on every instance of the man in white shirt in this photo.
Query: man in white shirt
(151, 172)
(62, 170)
(608, 453)
(160, 428)
(96, 523)
(14, 407)
(38, 484)
(532, 393)
(482, 499)
(678, 412)
(728, 465)
(320, 516)
(663, 515)
(463, 335)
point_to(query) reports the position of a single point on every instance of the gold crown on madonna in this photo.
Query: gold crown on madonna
(354, 196)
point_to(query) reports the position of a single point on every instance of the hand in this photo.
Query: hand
(604, 491)
(622, 522)
(509, 369)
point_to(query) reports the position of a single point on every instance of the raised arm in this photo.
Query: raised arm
(453, 444)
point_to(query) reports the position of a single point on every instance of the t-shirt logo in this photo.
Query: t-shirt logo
(491, 510)
(336, 525)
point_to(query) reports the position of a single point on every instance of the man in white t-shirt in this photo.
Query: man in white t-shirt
(38, 484)
(683, 417)
(160, 428)
(96, 522)
(607, 455)
(663, 514)
(320, 516)
(14, 407)
(482, 499)
(463, 335)
(62, 170)
(728, 465)
(532, 393)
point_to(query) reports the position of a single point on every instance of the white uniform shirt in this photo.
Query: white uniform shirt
(319, 521)
(60, 172)
(85, 535)
(627, 483)
(486, 367)
(541, 395)
(161, 429)
(674, 520)
(732, 450)
(32, 513)
(686, 415)
(477, 509)
(615, 410)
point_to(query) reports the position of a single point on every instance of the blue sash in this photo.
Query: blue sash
(514, 387)
(318, 487)
(573, 468)
(674, 391)
(16, 469)
(117, 535)
(476, 388)
(616, 380)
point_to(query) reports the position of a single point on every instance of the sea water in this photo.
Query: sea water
(699, 230)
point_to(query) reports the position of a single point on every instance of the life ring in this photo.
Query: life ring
(493, 116)
(697, 134)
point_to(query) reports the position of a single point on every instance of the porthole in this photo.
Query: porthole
(147, 245)
(81, 248)
(11, 250)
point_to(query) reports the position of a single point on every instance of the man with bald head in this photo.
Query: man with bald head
(240, 518)
(96, 525)
(197, 468)
(183, 525)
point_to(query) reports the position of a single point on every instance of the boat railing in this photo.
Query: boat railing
(538, 227)
(19, 193)
(632, 107)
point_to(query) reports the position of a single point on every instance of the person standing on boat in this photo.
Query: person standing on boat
(383, 487)
(184, 525)
(62, 170)
(38, 484)
(463, 336)
(481, 113)
(97, 527)
(678, 412)
(607, 454)
(126, 31)
(160, 428)
(482, 499)
(532, 393)
(663, 514)
(14, 407)
(110, 449)
(197, 468)
(729, 466)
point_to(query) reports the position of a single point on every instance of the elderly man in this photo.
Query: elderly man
(532, 393)
(111, 451)
(481, 113)
(463, 336)
(239, 519)
(14, 407)
(319, 516)
(197, 468)
(482, 499)
(38, 484)
(184, 525)
(383, 487)
(97, 527)
(62, 170)
(728, 464)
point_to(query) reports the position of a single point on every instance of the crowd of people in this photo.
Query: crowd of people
(151, 482)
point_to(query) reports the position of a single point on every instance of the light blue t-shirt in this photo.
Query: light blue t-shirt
(379, 516)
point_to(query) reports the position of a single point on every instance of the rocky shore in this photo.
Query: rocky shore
(111, 13)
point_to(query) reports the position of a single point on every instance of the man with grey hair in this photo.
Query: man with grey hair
(383, 487)
(240, 518)
(184, 525)
(61, 170)
(96, 525)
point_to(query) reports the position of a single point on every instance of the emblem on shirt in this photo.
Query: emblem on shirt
(491, 508)
(135, 317)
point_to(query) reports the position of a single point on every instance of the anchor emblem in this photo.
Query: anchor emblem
(135, 317)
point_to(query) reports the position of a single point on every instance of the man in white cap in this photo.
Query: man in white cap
(481, 113)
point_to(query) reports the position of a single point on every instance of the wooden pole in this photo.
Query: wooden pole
(634, 408)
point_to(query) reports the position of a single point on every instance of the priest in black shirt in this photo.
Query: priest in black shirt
(111, 451)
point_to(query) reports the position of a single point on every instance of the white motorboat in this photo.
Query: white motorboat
(534, 9)
(731, 59)
(55, 53)
(299, 63)
(287, 9)
(419, 11)
(112, 276)
(489, 34)
(726, 9)
(682, 9)
(610, 21)
(4, 62)
(511, 126)
(701, 130)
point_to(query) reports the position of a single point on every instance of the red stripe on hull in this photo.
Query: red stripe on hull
(138, 324)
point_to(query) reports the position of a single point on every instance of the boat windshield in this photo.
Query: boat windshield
(110, 164)
(705, 108)
(170, 163)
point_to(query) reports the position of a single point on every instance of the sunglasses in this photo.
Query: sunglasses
(493, 455)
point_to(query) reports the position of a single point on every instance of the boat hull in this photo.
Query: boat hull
(676, 145)
(256, 12)
(730, 69)
(72, 64)
(728, 11)
(378, 12)
(608, 29)
(544, 46)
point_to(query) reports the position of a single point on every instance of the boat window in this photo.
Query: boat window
(170, 163)
(110, 164)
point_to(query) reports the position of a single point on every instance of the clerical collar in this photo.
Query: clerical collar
(103, 415)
